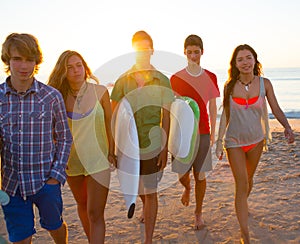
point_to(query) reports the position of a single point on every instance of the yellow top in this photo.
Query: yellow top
(90, 144)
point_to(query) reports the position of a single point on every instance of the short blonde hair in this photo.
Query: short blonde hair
(140, 36)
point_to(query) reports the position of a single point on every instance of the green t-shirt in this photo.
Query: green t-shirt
(146, 103)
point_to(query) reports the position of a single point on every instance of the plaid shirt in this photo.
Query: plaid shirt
(35, 135)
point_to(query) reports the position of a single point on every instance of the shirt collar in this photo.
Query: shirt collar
(8, 88)
(152, 73)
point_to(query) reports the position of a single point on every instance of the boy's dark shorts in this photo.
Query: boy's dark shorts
(19, 213)
(150, 173)
(201, 161)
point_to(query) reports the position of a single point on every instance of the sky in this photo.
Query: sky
(101, 30)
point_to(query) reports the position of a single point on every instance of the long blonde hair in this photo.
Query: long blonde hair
(58, 77)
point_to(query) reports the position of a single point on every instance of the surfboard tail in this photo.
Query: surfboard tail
(131, 211)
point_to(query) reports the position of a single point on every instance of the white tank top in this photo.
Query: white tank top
(248, 125)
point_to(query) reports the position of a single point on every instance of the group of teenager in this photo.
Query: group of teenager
(62, 131)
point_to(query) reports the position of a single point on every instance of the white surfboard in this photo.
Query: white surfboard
(128, 154)
(184, 117)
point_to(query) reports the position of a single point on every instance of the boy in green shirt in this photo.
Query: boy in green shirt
(150, 96)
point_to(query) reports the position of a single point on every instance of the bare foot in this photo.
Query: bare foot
(199, 223)
(185, 199)
(245, 239)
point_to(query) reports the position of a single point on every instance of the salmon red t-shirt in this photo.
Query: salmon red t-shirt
(201, 88)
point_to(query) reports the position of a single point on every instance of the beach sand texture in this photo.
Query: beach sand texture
(273, 205)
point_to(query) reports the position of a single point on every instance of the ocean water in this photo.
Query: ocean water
(286, 85)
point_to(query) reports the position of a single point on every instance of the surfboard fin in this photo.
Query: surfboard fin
(131, 211)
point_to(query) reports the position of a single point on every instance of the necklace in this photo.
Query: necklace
(75, 94)
(193, 73)
(247, 85)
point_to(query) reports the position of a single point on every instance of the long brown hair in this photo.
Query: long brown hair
(58, 76)
(233, 74)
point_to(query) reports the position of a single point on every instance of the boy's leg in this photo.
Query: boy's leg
(49, 203)
(61, 234)
(19, 218)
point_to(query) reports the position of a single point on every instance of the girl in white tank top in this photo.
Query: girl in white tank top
(244, 129)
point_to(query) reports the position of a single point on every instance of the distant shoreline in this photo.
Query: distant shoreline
(288, 115)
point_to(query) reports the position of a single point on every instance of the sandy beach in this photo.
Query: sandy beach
(273, 205)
